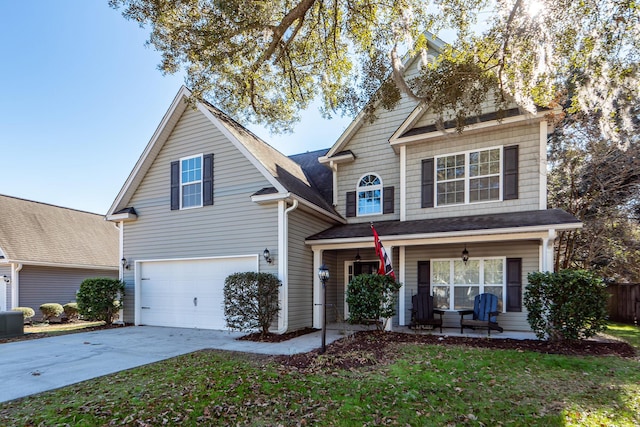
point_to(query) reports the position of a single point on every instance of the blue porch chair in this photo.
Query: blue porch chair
(485, 313)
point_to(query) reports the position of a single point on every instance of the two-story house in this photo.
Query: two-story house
(208, 198)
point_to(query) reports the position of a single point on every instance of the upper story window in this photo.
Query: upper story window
(369, 195)
(469, 177)
(191, 182)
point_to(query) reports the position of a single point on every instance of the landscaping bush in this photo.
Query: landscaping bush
(71, 310)
(50, 310)
(99, 298)
(27, 313)
(567, 305)
(372, 297)
(251, 301)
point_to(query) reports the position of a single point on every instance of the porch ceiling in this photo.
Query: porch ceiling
(514, 222)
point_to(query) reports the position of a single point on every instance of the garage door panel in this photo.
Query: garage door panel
(187, 293)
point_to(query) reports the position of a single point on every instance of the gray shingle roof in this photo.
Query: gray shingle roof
(511, 220)
(41, 233)
(298, 174)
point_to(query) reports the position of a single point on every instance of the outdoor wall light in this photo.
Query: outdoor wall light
(125, 263)
(6, 279)
(358, 257)
(267, 256)
(465, 255)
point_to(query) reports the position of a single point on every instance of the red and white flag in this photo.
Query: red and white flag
(385, 260)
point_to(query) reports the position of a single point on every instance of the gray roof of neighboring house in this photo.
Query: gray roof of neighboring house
(300, 174)
(38, 233)
(510, 220)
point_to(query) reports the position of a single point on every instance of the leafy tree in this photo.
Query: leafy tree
(99, 298)
(265, 61)
(372, 297)
(567, 305)
(251, 301)
(600, 185)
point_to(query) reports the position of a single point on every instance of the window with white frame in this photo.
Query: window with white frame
(191, 182)
(369, 195)
(455, 284)
(469, 177)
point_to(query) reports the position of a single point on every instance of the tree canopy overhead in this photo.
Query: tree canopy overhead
(264, 61)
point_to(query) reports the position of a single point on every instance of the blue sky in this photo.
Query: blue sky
(81, 97)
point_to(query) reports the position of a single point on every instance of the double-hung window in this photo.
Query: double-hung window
(369, 195)
(455, 284)
(469, 177)
(191, 182)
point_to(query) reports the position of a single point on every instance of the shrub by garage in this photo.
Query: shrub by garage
(50, 311)
(99, 299)
(251, 301)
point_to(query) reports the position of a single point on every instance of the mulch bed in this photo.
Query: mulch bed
(271, 337)
(368, 348)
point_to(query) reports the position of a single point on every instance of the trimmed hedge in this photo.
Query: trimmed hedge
(372, 297)
(27, 312)
(71, 310)
(99, 298)
(567, 305)
(251, 301)
(51, 310)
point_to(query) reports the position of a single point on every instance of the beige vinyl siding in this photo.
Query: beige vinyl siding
(370, 145)
(526, 136)
(301, 273)
(41, 285)
(527, 250)
(234, 225)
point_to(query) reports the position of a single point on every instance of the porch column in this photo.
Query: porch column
(547, 253)
(401, 279)
(317, 290)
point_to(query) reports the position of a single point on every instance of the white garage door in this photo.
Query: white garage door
(186, 293)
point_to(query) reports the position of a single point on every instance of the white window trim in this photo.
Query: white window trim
(371, 188)
(452, 285)
(201, 155)
(467, 177)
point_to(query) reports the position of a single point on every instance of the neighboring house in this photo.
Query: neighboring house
(207, 197)
(46, 251)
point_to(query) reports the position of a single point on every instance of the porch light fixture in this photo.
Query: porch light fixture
(465, 255)
(125, 263)
(358, 257)
(323, 274)
(267, 256)
(6, 279)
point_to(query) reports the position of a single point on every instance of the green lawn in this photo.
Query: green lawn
(425, 385)
(629, 333)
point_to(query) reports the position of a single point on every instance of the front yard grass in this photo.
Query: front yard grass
(628, 333)
(59, 328)
(424, 385)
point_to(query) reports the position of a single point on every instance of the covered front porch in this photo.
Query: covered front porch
(427, 257)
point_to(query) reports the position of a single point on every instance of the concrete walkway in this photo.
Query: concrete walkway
(33, 366)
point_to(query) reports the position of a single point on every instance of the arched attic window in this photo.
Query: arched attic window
(369, 193)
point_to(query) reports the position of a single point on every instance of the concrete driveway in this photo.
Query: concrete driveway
(34, 366)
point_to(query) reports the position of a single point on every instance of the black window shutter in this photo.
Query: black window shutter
(510, 173)
(514, 284)
(389, 203)
(175, 186)
(427, 183)
(351, 203)
(424, 277)
(207, 180)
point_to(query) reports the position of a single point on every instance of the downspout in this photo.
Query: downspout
(15, 284)
(283, 267)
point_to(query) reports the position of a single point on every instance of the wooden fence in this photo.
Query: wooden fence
(624, 304)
